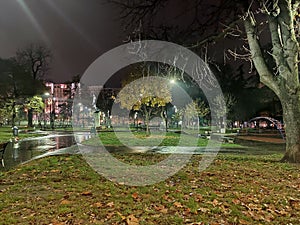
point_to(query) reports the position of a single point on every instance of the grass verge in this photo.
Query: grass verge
(233, 190)
(6, 133)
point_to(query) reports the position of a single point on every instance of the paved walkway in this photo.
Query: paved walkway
(262, 139)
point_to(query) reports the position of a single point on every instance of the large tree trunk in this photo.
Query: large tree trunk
(291, 116)
(285, 83)
(147, 120)
(30, 117)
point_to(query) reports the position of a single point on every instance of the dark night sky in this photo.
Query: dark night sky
(76, 31)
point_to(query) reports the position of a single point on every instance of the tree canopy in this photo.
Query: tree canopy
(148, 95)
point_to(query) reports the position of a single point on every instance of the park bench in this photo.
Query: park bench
(206, 135)
(2, 151)
(228, 140)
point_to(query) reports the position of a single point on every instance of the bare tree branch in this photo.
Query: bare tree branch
(257, 56)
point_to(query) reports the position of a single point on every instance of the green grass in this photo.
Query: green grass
(234, 189)
(141, 139)
(6, 133)
(121, 139)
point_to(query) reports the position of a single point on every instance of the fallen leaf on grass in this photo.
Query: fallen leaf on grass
(197, 223)
(98, 204)
(177, 204)
(87, 193)
(55, 222)
(110, 204)
(167, 198)
(236, 201)
(204, 210)
(164, 211)
(295, 203)
(215, 202)
(132, 220)
(198, 197)
(122, 217)
(110, 215)
(161, 208)
(65, 202)
(135, 195)
(187, 211)
(244, 222)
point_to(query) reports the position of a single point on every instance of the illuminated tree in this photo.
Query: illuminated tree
(33, 105)
(148, 95)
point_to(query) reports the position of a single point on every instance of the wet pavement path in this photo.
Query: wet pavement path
(58, 143)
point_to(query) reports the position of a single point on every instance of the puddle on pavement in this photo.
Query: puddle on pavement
(24, 150)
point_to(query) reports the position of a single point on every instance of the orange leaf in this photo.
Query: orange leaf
(65, 202)
(158, 207)
(177, 204)
(135, 195)
(244, 222)
(236, 201)
(198, 197)
(215, 202)
(87, 193)
(164, 211)
(132, 220)
(110, 215)
(55, 222)
(98, 204)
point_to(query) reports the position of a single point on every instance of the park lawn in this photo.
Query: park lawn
(155, 139)
(6, 133)
(234, 189)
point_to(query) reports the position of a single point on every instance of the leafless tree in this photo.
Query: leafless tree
(254, 23)
(35, 59)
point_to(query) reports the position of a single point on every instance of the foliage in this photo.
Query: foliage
(201, 108)
(16, 86)
(65, 110)
(148, 95)
(5, 114)
(35, 103)
(195, 110)
(177, 117)
(106, 99)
